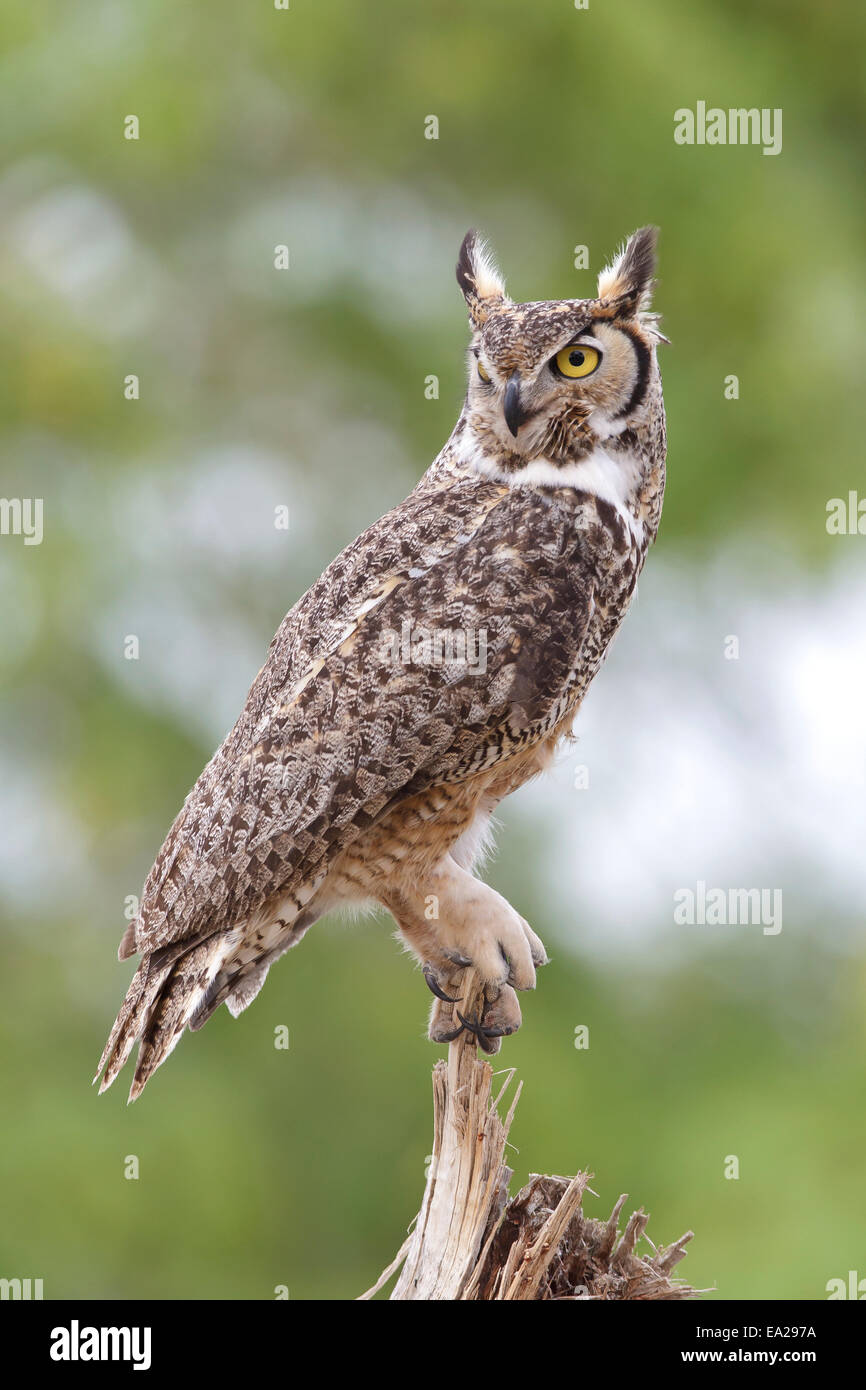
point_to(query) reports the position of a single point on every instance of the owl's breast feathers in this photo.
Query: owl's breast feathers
(454, 633)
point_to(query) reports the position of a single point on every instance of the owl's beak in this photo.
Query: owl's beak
(513, 410)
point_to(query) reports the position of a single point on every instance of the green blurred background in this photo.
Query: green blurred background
(305, 387)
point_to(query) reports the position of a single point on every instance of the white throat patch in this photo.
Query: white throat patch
(612, 478)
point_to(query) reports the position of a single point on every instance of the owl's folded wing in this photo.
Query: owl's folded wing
(445, 669)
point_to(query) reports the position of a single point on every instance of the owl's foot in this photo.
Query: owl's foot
(453, 922)
(478, 927)
(506, 957)
(498, 1017)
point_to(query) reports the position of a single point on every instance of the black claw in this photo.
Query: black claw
(433, 985)
(457, 959)
(475, 1026)
(485, 1037)
(449, 1037)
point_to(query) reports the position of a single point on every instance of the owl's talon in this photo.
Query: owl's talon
(499, 1017)
(487, 1040)
(476, 1026)
(449, 1037)
(435, 988)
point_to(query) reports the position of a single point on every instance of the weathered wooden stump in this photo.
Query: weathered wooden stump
(470, 1241)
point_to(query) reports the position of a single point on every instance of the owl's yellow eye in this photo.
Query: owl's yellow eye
(482, 373)
(577, 361)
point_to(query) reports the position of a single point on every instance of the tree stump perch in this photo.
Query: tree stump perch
(471, 1242)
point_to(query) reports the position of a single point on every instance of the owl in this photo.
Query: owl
(430, 671)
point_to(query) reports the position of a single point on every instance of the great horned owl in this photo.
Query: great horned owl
(429, 672)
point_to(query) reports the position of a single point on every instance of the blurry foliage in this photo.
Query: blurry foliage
(261, 1167)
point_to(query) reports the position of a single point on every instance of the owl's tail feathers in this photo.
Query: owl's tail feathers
(163, 994)
(243, 972)
(235, 988)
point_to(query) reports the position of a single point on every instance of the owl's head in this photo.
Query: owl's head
(555, 378)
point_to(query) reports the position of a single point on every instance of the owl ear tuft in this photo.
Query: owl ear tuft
(482, 285)
(628, 279)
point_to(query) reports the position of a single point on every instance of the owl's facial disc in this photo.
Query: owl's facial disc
(523, 392)
(575, 382)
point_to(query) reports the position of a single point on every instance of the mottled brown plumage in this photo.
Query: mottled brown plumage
(429, 672)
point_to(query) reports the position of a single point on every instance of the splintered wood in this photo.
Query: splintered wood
(471, 1242)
